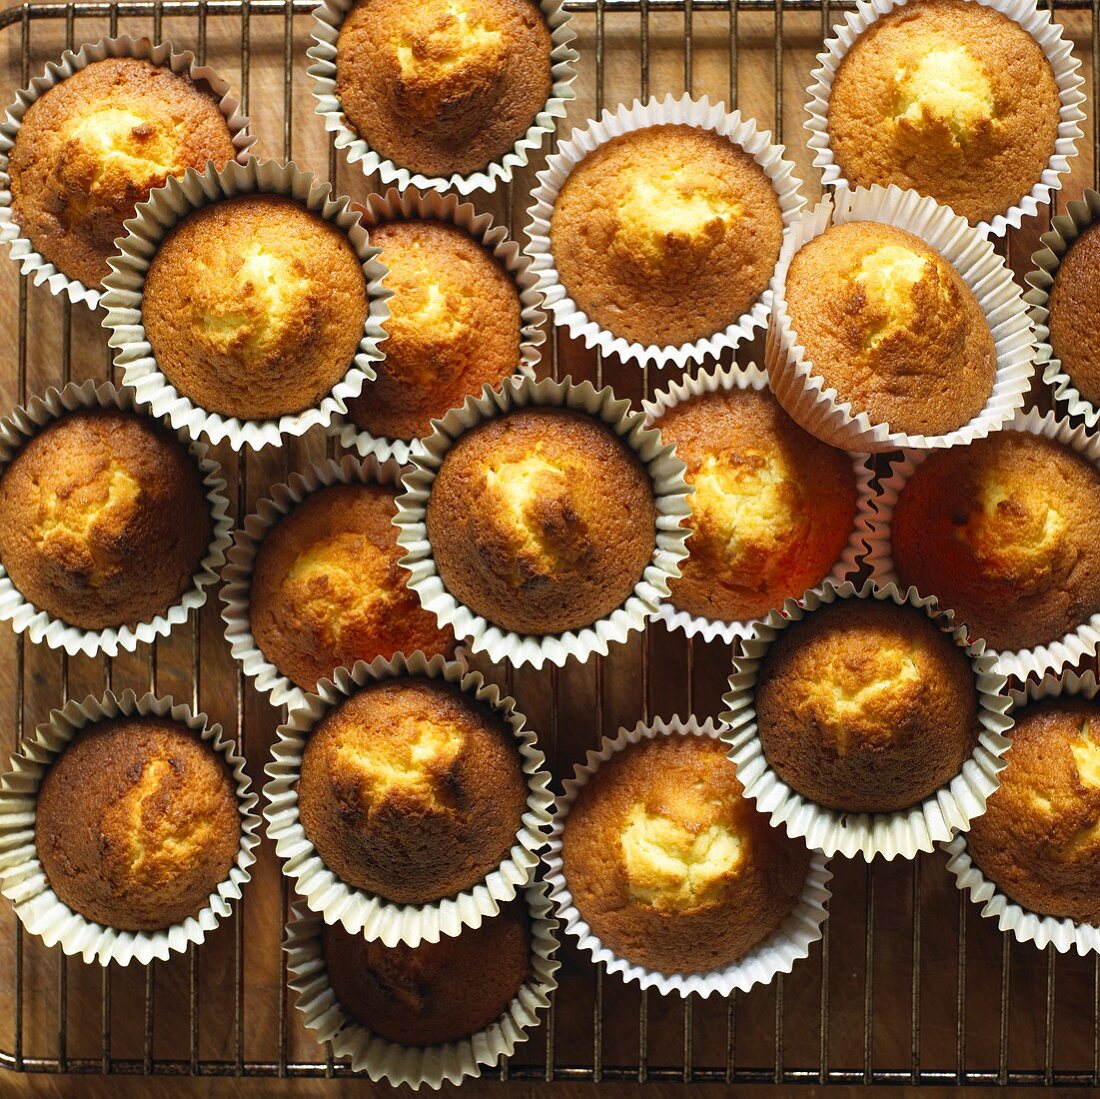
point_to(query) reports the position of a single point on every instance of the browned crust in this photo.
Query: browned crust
(1075, 313)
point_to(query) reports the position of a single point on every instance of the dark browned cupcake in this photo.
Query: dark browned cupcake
(1075, 313)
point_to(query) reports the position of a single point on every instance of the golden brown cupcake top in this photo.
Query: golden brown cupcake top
(666, 235)
(865, 706)
(412, 790)
(773, 507)
(254, 306)
(892, 326)
(137, 823)
(327, 591)
(454, 327)
(435, 992)
(670, 865)
(542, 520)
(94, 146)
(950, 98)
(1039, 838)
(1006, 532)
(1075, 313)
(103, 519)
(443, 86)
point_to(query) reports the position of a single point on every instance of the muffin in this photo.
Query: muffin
(541, 520)
(892, 327)
(454, 327)
(103, 519)
(443, 86)
(666, 235)
(1074, 306)
(254, 306)
(412, 790)
(435, 992)
(949, 98)
(866, 707)
(94, 146)
(773, 507)
(1005, 532)
(670, 866)
(137, 823)
(327, 591)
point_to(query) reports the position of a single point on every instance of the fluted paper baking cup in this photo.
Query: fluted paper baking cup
(418, 1066)
(365, 913)
(1036, 21)
(1027, 926)
(22, 878)
(126, 284)
(1037, 661)
(22, 250)
(1065, 229)
(39, 626)
(329, 17)
(411, 205)
(686, 111)
(903, 833)
(724, 379)
(778, 953)
(804, 393)
(670, 492)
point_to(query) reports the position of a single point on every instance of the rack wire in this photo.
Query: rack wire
(908, 985)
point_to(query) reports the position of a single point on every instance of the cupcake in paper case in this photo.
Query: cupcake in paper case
(246, 304)
(669, 876)
(126, 828)
(775, 511)
(543, 521)
(1033, 860)
(975, 104)
(656, 229)
(91, 138)
(864, 722)
(407, 799)
(431, 1013)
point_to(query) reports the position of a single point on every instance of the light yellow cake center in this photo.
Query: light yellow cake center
(456, 40)
(947, 89)
(888, 276)
(121, 138)
(1086, 756)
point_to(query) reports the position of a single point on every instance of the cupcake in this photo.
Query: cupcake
(1074, 308)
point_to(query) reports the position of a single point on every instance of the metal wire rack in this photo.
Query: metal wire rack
(909, 984)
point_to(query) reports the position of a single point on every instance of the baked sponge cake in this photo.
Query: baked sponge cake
(104, 519)
(443, 86)
(666, 235)
(1005, 532)
(94, 146)
(1074, 319)
(949, 98)
(669, 865)
(892, 327)
(454, 327)
(541, 520)
(865, 706)
(773, 507)
(412, 790)
(254, 306)
(137, 823)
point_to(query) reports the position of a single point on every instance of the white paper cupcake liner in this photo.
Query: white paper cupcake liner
(22, 250)
(23, 880)
(683, 111)
(899, 834)
(670, 492)
(39, 626)
(1027, 926)
(847, 566)
(804, 394)
(1036, 21)
(1021, 663)
(411, 205)
(126, 284)
(359, 911)
(1065, 229)
(328, 18)
(418, 1066)
(778, 953)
